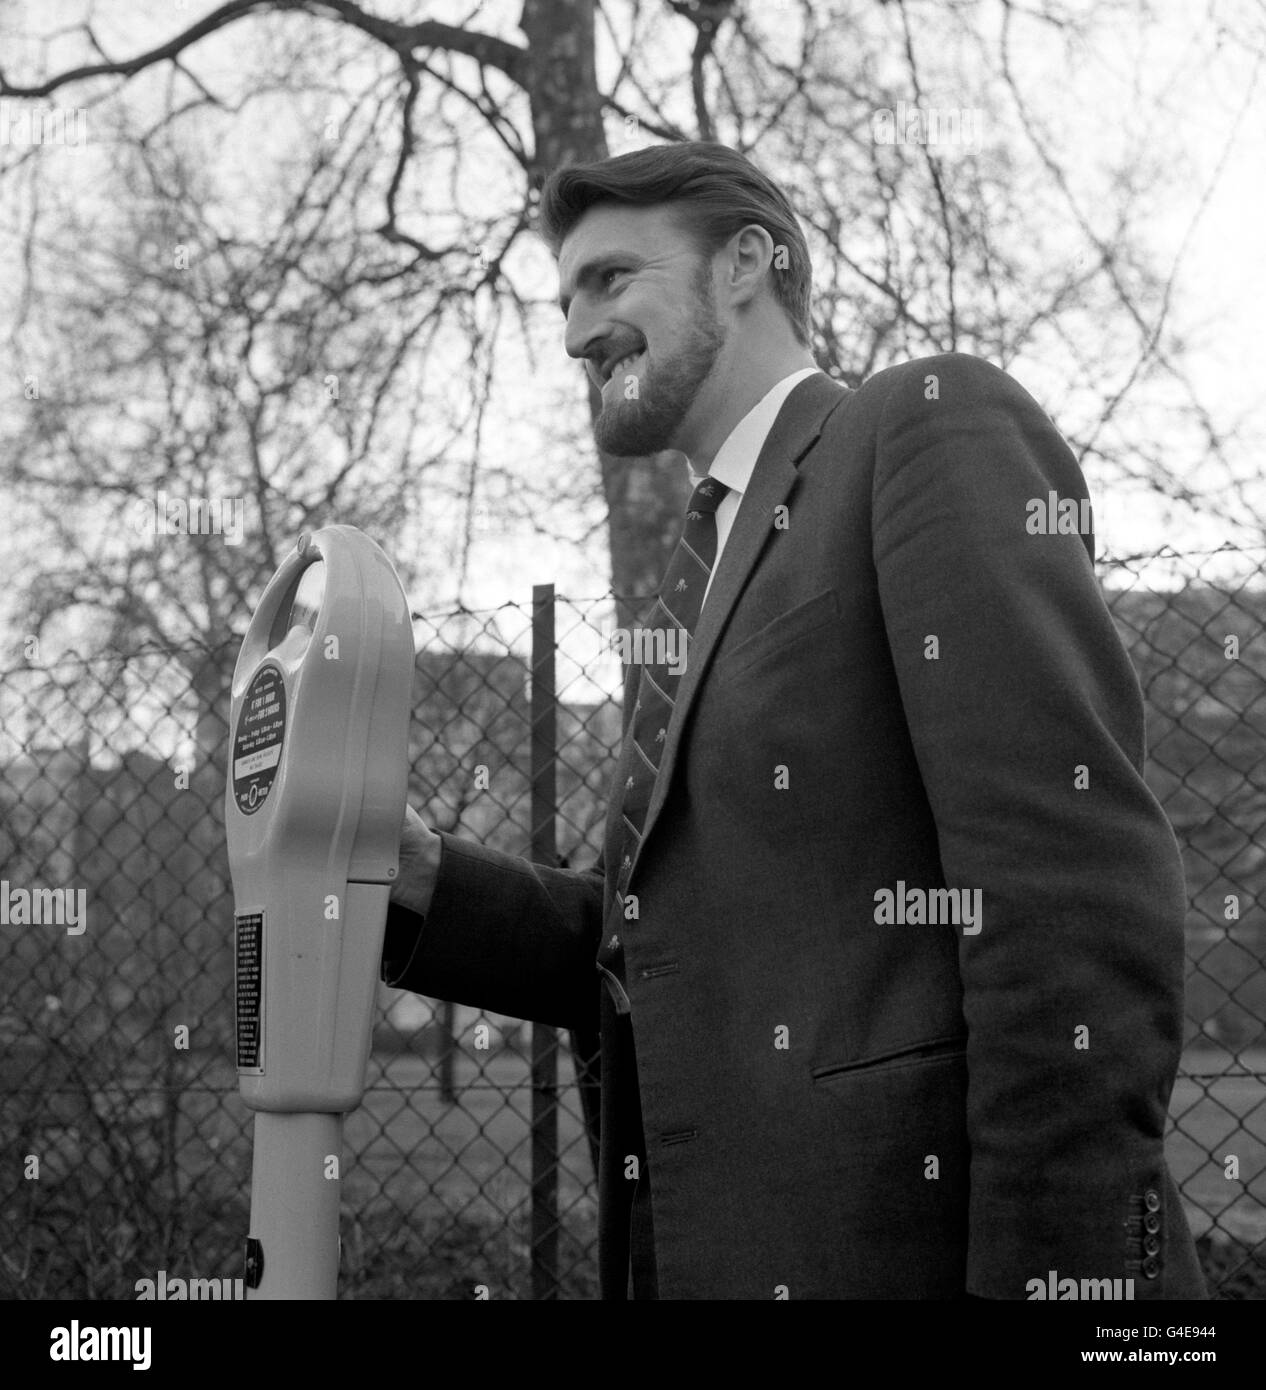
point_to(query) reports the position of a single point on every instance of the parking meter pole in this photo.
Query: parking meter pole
(295, 1204)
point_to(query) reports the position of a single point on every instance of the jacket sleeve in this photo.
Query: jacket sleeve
(503, 935)
(1027, 721)
(506, 935)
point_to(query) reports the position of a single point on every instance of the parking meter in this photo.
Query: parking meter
(317, 780)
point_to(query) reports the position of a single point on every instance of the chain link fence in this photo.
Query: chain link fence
(469, 1169)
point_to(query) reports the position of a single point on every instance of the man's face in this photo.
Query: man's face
(632, 281)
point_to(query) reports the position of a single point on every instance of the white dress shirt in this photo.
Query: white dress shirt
(736, 458)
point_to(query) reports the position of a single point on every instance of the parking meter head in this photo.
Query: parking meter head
(317, 781)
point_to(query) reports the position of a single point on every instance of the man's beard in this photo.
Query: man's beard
(665, 390)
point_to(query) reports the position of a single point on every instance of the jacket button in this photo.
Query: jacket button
(1151, 1268)
(1151, 1223)
(1151, 1245)
(1151, 1199)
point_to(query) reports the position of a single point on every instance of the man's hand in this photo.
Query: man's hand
(419, 864)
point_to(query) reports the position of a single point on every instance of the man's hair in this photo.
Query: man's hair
(714, 192)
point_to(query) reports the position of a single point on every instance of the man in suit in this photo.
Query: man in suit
(886, 944)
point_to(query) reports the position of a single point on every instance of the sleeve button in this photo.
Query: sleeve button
(1151, 1223)
(1151, 1199)
(1151, 1268)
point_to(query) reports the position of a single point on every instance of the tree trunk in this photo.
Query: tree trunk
(646, 497)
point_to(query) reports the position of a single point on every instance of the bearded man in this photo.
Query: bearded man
(885, 946)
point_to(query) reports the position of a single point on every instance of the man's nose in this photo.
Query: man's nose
(584, 334)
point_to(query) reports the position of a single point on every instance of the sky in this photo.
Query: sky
(1210, 129)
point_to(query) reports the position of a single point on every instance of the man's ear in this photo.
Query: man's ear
(750, 253)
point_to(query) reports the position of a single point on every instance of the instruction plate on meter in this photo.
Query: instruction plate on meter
(248, 982)
(261, 730)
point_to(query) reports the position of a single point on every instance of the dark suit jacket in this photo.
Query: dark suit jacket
(893, 683)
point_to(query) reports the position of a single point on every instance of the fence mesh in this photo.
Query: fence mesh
(468, 1169)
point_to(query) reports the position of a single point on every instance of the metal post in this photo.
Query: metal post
(294, 1206)
(448, 1052)
(544, 717)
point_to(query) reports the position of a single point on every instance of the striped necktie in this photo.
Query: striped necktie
(665, 651)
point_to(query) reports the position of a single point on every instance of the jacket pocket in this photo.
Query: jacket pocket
(912, 1055)
(785, 629)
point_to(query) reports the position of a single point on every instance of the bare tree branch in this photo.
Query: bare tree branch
(404, 39)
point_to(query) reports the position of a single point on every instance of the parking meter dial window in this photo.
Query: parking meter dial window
(303, 607)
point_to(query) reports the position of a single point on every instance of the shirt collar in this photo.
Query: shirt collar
(736, 458)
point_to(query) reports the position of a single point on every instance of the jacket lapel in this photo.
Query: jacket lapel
(794, 432)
